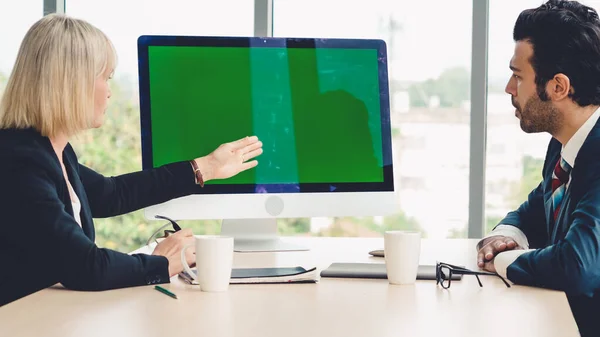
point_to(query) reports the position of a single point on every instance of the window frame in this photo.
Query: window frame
(263, 27)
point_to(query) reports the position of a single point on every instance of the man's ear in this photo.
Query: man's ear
(559, 87)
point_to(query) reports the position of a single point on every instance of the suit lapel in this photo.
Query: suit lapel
(549, 217)
(75, 181)
(548, 207)
(563, 220)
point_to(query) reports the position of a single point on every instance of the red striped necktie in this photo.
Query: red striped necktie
(560, 177)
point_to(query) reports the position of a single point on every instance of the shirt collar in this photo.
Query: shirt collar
(571, 149)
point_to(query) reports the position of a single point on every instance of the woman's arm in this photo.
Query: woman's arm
(111, 196)
(129, 192)
(49, 239)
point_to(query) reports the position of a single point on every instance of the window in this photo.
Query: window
(16, 17)
(429, 51)
(429, 56)
(410, 183)
(430, 98)
(115, 148)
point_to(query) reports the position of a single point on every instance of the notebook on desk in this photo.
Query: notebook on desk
(265, 275)
(375, 270)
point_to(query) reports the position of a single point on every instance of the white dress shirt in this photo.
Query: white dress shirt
(569, 153)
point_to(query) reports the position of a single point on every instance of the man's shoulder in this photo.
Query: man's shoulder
(589, 154)
(587, 163)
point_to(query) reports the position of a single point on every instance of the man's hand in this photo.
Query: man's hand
(491, 247)
(489, 266)
(171, 248)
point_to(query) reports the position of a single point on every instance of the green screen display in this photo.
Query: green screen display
(316, 110)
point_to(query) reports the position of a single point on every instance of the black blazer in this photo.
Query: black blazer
(41, 244)
(568, 257)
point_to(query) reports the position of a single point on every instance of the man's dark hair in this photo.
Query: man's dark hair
(565, 36)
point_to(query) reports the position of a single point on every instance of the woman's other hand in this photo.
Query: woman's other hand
(230, 159)
(171, 248)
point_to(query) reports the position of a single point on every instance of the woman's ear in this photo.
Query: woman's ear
(559, 87)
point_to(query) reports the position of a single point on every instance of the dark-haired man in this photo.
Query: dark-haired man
(553, 239)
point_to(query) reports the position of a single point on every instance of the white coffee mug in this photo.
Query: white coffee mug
(402, 250)
(214, 260)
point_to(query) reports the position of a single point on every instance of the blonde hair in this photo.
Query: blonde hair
(51, 87)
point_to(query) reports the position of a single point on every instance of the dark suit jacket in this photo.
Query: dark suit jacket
(41, 244)
(568, 257)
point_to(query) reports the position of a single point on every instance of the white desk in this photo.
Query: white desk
(332, 307)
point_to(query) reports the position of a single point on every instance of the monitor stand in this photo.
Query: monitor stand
(256, 235)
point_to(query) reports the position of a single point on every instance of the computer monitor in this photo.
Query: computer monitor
(320, 107)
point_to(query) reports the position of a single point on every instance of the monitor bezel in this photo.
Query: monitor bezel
(146, 41)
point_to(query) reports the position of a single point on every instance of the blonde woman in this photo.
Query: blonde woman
(57, 89)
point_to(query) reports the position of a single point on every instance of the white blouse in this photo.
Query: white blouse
(76, 205)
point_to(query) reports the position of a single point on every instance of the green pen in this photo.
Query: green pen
(165, 291)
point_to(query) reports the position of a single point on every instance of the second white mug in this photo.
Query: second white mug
(214, 261)
(402, 250)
